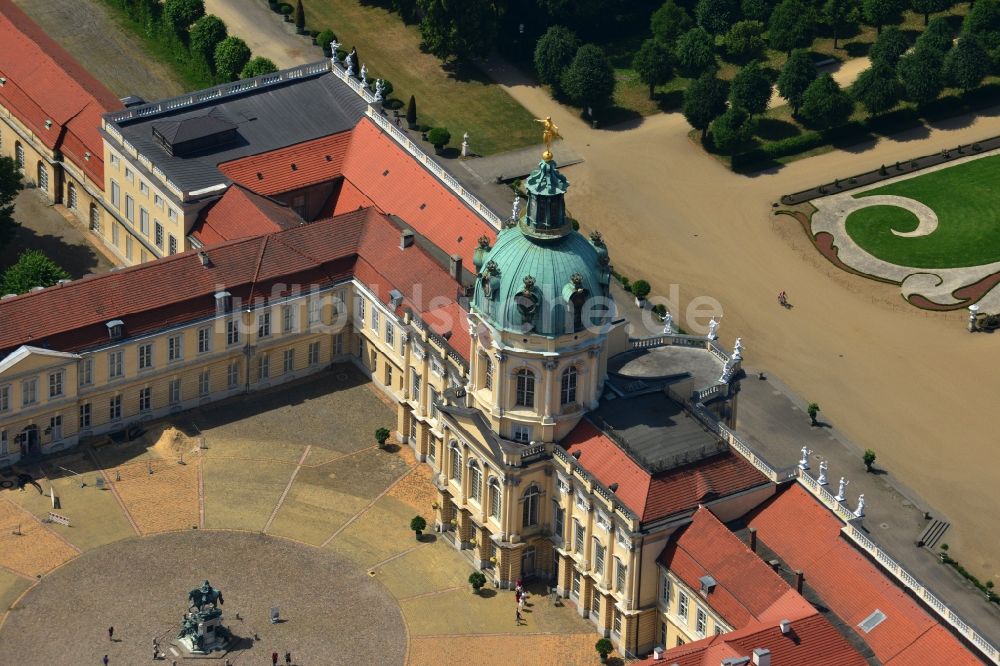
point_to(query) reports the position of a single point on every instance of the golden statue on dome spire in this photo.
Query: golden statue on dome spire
(549, 134)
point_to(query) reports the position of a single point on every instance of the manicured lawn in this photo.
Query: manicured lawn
(967, 204)
(464, 101)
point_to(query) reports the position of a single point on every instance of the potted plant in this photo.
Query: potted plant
(812, 410)
(604, 648)
(439, 137)
(640, 289)
(477, 580)
(418, 525)
(869, 459)
(381, 435)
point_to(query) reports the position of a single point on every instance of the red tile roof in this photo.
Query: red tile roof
(808, 537)
(292, 167)
(350, 198)
(44, 82)
(812, 641)
(746, 590)
(395, 182)
(176, 289)
(452, 323)
(240, 213)
(656, 496)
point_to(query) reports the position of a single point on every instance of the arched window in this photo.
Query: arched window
(43, 177)
(456, 462)
(529, 506)
(95, 219)
(495, 498)
(475, 481)
(487, 371)
(19, 155)
(568, 386)
(71, 196)
(525, 383)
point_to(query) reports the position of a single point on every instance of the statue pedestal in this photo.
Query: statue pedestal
(205, 636)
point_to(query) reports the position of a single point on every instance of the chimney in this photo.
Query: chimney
(753, 539)
(455, 267)
(799, 577)
(785, 626)
(775, 564)
(761, 657)
(658, 654)
(203, 256)
(613, 487)
(405, 239)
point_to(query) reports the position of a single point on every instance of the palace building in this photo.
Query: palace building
(280, 225)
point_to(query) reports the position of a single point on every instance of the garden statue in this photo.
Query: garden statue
(549, 134)
(465, 145)
(668, 323)
(822, 473)
(334, 46)
(202, 631)
(804, 460)
(516, 210)
(973, 310)
(379, 90)
(738, 350)
(713, 328)
(841, 490)
(364, 74)
(860, 511)
(349, 61)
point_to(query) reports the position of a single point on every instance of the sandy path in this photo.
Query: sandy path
(264, 32)
(914, 387)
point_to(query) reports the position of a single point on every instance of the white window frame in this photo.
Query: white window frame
(204, 383)
(264, 324)
(116, 364)
(115, 408)
(287, 319)
(233, 374)
(145, 355)
(175, 348)
(86, 371)
(232, 332)
(314, 353)
(288, 361)
(174, 391)
(56, 384)
(145, 399)
(86, 414)
(205, 340)
(29, 391)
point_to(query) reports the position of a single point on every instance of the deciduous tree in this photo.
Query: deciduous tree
(33, 269)
(840, 15)
(206, 33)
(732, 129)
(181, 14)
(967, 63)
(231, 56)
(669, 22)
(652, 64)
(878, 13)
(716, 16)
(757, 10)
(751, 89)
(458, 29)
(799, 71)
(921, 73)
(590, 79)
(824, 104)
(695, 53)
(257, 66)
(792, 25)
(889, 47)
(928, 7)
(300, 17)
(704, 101)
(10, 185)
(877, 88)
(744, 41)
(553, 53)
(938, 36)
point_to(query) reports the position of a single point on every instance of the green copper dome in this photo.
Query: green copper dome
(541, 276)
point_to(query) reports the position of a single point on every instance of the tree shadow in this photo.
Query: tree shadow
(857, 49)
(617, 118)
(77, 260)
(670, 101)
(487, 593)
(427, 537)
(773, 129)
(878, 471)
(465, 71)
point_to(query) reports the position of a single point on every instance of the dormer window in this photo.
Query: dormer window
(116, 329)
(707, 584)
(223, 301)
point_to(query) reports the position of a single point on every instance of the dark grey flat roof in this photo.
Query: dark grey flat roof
(668, 362)
(293, 111)
(657, 432)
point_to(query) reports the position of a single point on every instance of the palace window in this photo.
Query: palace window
(204, 382)
(264, 325)
(84, 415)
(115, 365)
(475, 482)
(263, 367)
(130, 208)
(620, 571)
(315, 308)
(145, 356)
(288, 361)
(529, 506)
(55, 384)
(525, 385)
(204, 340)
(390, 335)
(665, 591)
(521, 433)
(3, 443)
(144, 188)
(29, 392)
(172, 245)
(495, 498)
(287, 319)
(701, 622)
(19, 155)
(579, 533)
(595, 605)
(487, 371)
(86, 372)
(682, 606)
(128, 248)
(175, 350)
(43, 177)
(95, 219)
(144, 221)
(116, 195)
(4, 398)
(233, 375)
(568, 386)
(617, 628)
(71, 196)
(559, 516)
(158, 234)
(174, 391)
(158, 201)
(233, 332)
(456, 463)
(388, 375)
(313, 353)
(598, 557)
(115, 408)
(145, 398)
(375, 319)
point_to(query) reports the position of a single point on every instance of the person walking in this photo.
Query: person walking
(111, 633)
(274, 659)
(105, 660)
(517, 616)
(288, 658)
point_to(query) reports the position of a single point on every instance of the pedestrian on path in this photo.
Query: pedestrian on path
(105, 660)
(288, 658)
(274, 659)
(517, 616)
(111, 633)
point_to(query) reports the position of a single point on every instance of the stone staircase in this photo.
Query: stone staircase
(933, 533)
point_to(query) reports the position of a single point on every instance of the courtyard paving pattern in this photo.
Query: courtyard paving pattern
(288, 504)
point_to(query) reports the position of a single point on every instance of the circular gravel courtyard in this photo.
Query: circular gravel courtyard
(332, 611)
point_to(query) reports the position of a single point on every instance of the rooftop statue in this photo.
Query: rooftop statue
(550, 132)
